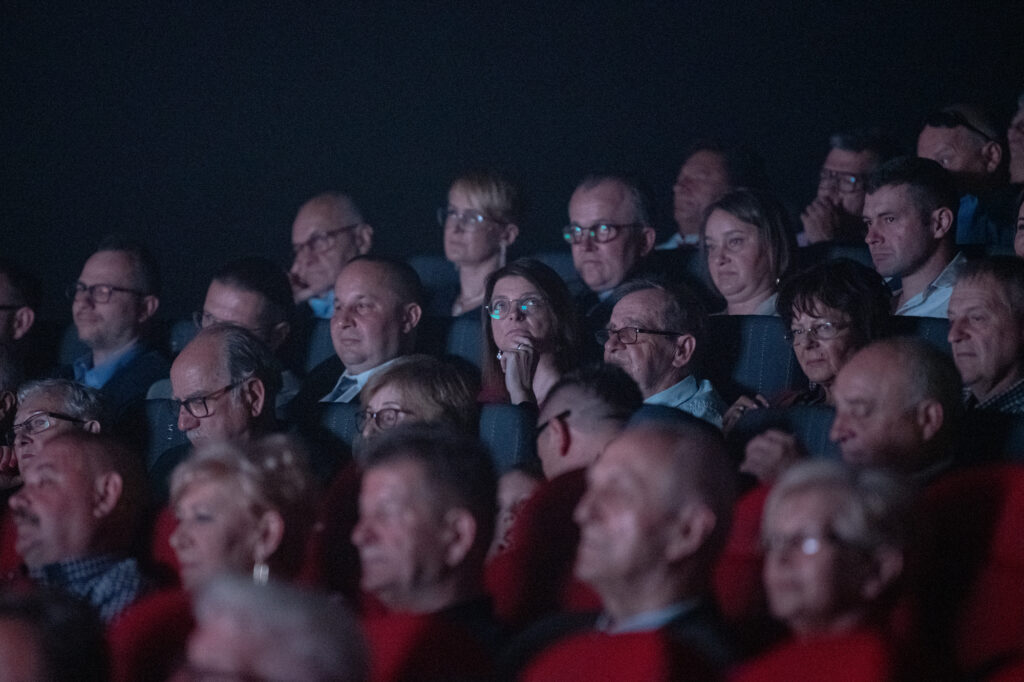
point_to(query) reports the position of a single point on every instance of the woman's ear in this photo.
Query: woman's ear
(269, 534)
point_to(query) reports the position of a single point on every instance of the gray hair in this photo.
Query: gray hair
(294, 633)
(246, 355)
(76, 400)
(873, 505)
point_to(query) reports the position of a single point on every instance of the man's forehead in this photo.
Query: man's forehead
(364, 279)
(849, 161)
(608, 197)
(320, 215)
(108, 267)
(38, 402)
(889, 198)
(643, 305)
(980, 289)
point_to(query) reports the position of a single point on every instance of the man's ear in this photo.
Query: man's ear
(930, 417)
(689, 531)
(92, 426)
(887, 565)
(647, 239)
(411, 314)
(269, 533)
(363, 237)
(685, 346)
(108, 487)
(254, 395)
(992, 152)
(24, 317)
(460, 534)
(942, 221)
(147, 308)
(563, 439)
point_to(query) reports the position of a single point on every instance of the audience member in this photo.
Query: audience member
(710, 170)
(20, 298)
(328, 232)
(273, 632)
(76, 517)
(244, 509)
(986, 331)
(47, 636)
(515, 487)
(530, 330)
(114, 298)
(835, 213)
(832, 310)
(420, 388)
(910, 215)
(898, 407)
(480, 221)
(50, 407)
(967, 143)
(654, 517)
(747, 241)
(834, 540)
(1018, 240)
(1015, 143)
(654, 334)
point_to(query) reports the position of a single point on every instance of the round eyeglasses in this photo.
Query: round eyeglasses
(501, 308)
(384, 418)
(468, 220)
(823, 331)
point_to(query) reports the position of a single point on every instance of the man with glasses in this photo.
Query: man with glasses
(835, 212)
(609, 233)
(654, 334)
(964, 140)
(113, 299)
(20, 296)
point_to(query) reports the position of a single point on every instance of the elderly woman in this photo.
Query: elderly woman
(531, 332)
(834, 539)
(420, 388)
(747, 241)
(242, 510)
(480, 221)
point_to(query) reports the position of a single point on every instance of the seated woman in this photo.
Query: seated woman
(531, 332)
(832, 309)
(420, 388)
(243, 510)
(747, 241)
(480, 221)
(834, 540)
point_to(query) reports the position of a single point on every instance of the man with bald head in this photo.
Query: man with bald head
(897, 407)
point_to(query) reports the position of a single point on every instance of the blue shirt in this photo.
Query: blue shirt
(701, 400)
(97, 376)
(322, 306)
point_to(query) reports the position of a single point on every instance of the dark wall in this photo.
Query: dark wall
(201, 130)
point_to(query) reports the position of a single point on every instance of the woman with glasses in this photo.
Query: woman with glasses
(832, 310)
(531, 332)
(420, 388)
(747, 239)
(480, 221)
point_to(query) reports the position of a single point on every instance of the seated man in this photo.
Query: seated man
(254, 294)
(654, 333)
(76, 518)
(711, 169)
(835, 212)
(1015, 143)
(654, 517)
(20, 298)
(986, 332)
(910, 214)
(968, 144)
(113, 299)
(897, 407)
(610, 233)
(582, 413)
(328, 232)
(426, 515)
(376, 309)
(224, 384)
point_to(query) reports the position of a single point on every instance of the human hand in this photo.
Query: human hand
(821, 221)
(519, 364)
(769, 454)
(742, 404)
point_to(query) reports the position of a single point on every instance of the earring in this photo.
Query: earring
(260, 573)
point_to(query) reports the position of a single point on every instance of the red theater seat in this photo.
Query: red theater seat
(148, 640)
(856, 657)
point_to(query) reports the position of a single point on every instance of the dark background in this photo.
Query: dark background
(202, 129)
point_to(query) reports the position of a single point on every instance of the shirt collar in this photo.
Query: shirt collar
(646, 621)
(96, 376)
(322, 306)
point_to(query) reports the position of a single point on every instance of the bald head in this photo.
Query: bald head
(328, 232)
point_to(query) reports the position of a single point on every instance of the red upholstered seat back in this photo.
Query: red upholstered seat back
(423, 647)
(149, 638)
(857, 657)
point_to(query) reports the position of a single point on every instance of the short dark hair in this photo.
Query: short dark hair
(402, 277)
(767, 214)
(1008, 273)
(841, 284)
(67, 630)
(684, 312)
(608, 384)
(146, 271)
(457, 467)
(930, 186)
(264, 277)
(873, 140)
(743, 165)
(639, 192)
(26, 287)
(246, 355)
